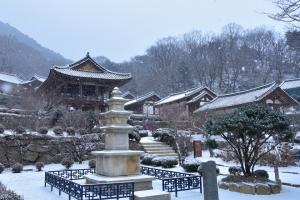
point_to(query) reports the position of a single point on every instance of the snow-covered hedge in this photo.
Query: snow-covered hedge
(260, 173)
(191, 165)
(143, 133)
(92, 164)
(168, 162)
(17, 168)
(58, 130)
(199, 170)
(235, 170)
(6, 194)
(147, 159)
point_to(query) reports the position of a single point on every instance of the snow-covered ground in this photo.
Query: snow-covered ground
(30, 184)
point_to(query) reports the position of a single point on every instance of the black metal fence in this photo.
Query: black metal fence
(174, 181)
(64, 181)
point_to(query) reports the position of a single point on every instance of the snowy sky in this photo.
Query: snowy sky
(121, 29)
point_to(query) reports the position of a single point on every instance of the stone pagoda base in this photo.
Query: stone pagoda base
(141, 182)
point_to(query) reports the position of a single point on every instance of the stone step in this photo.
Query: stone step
(155, 144)
(158, 148)
(159, 151)
(167, 154)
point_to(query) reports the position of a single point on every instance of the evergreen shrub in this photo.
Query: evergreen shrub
(39, 166)
(6, 194)
(191, 165)
(17, 168)
(235, 170)
(135, 135)
(2, 128)
(20, 129)
(92, 164)
(147, 160)
(143, 133)
(143, 155)
(211, 144)
(168, 162)
(43, 130)
(260, 173)
(67, 162)
(1, 168)
(58, 130)
(156, 161)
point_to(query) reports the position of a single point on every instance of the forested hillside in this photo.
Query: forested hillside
(22, 55)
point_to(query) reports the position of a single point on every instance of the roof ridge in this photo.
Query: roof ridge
(249, 90)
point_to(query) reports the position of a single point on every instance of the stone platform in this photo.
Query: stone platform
(141, 182)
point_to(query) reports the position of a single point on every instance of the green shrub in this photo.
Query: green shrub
(70, 130)
(2, 128)
(199, 170)
(235, 170)
(211, 144)
(168, 162)
(156, 161)
(58, 130)
(260, 173)
(1, 168)
(92, 164)
(147, 160)
(6, 194)
(17, 168)
(20, 129)
(67, 162)
(39, 166)
(191, 165)
(134, 135)
(143, 155)
(130, 122)
(43, 130)
(143, 133)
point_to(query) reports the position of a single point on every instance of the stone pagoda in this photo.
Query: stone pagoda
(117, 163)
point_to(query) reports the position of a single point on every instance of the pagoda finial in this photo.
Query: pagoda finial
(87, 54)
(116, 92)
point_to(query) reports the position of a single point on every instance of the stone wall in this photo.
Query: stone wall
(31, 148)
(251, 188)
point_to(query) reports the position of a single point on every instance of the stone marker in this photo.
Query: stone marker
(210, 181)
(197, 148)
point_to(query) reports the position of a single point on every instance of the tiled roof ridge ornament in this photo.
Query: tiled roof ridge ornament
(87, 54)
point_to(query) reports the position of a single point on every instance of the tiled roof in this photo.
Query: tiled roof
(179, 95)
(141, 98)
(102, 74)
(127, 93)
(289, 84)
(247, 96)
(202, 94)
(11, 78)
(38, 77)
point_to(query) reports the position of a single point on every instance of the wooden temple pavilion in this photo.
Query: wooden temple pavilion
(270, 94)
(83, 85)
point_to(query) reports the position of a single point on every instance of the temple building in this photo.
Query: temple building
(271, 94)
(83, 85)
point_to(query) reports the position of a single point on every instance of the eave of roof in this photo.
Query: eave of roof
(239, 98)
(290, 83)
(10, 78)
(141, 98)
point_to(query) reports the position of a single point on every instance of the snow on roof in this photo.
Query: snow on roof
(127, 93)
(202, 94)
(179, 95)
(101, 74)
(247, 96)
(39, 78)
(11, 78)
(141, 98)
(289, 84)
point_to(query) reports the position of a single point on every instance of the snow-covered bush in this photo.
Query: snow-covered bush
(39, 166)
(82, 131)
(67, 162)
(156, 161)
(70, 130)
(191, 165)
(199, 170)
(17, 168)
(143, 133)
(168, 162)
(135, 135)
(6, 194)
(20, 129)
(147, 160)
(143, 155)
(92, 164)
(58, 130)
(158, 133)
(260, 173)
(1, 168)
(211, 144)
(235, 170)
(43, 130)
(2, 128)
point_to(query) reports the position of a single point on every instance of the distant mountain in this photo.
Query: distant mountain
(22, 55)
